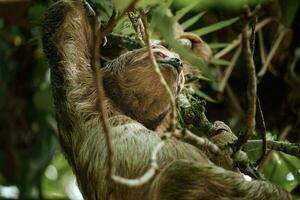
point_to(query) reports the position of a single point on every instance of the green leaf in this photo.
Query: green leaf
(282, 170)
(146, 3)
(36, 13)
(1, 23)
(290, 9)
(293, 164)
(217, 4)
(43, 100)
(183, 11)
(205, 96)
(218, 45)
(216, 61)
(215, 27)
(201, 77)
(165, 6)
(104, 8)
(192, 20)
(163, 24)
(121, 4)
(124, 27)
(275, 171)
(297, 53)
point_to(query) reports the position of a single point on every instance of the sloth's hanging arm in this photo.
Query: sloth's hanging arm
(67, 43)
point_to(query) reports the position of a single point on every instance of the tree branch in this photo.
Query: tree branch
(251, 88)
(285, 147)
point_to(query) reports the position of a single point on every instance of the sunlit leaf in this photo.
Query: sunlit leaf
(163, 25)
(216, 61)
(201, 77)
(215, 27)
(293, 165)
(147, 3)
(280, 172)
(165, 6)
(124, 27)
(183, 11)
(192, 20)
(216, 4)
(121, 4)
(61, 187)
(204, 96)
(218, 45)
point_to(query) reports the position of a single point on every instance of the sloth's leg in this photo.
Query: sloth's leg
(189, 180)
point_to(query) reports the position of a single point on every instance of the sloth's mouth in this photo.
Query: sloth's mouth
(174, 62)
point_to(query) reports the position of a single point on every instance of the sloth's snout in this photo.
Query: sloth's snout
(176, 62)
(173, 61)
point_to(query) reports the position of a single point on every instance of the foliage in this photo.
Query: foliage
(30, 157)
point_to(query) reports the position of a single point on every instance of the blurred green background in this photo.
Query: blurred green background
(31, 163)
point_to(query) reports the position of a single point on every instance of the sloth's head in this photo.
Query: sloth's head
(133, 85)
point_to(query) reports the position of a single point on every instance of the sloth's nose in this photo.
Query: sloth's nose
(173, 61)
(176, 62)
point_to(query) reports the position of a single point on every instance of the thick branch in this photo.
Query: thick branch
(285, 147)
(194, 113)
(251, 89)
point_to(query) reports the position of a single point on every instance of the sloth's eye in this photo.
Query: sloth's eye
(159, 54)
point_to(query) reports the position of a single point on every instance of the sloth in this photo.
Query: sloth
(136, 104)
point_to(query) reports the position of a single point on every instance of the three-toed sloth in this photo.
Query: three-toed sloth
(136, 104)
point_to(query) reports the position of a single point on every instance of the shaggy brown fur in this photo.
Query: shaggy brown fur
(135, 99)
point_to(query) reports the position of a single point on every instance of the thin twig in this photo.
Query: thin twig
(115, 19)
(262, 49)
(234, 100)
(291, 70)
(252, 35)
(277, 42)
(263, 133)
(235, 43)
(229, 69)
(153, 164)
(98, 37)
(172, 126)
(202, 143)
(261, 115)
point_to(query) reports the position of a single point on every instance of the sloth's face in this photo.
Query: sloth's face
(140, 72)
(131, 82)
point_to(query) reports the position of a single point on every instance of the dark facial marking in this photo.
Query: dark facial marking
(173, 61)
